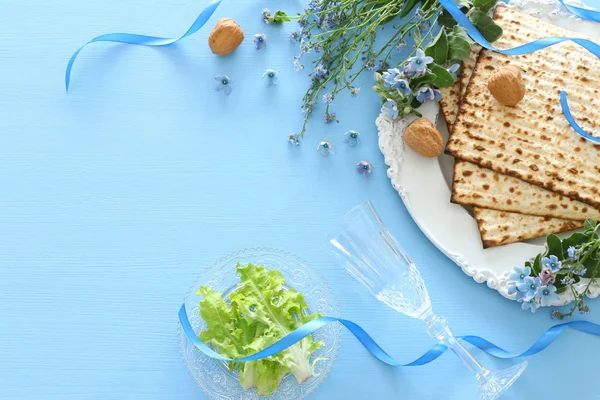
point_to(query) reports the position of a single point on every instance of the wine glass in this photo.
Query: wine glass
(373, 256)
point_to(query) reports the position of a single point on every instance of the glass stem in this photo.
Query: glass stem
(438, 328)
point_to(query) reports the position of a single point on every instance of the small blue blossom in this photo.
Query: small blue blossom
(308, 108)
(546, 295)
(272, 77)
(519, 274)
(354, 91)
(294, 37)
(319, 72)
(329, 117)
(389, 77)
(402, 86)
(582, 309)
(426, 94)
(364, 168)
(294, 139)
(391, 109)
(512, 288)
(370, 65)
(552, 263)
(318, 49)
(266, 16)
(260, 41)
(223, 83)
(529, 287)
(567, 281)
(417, 65)
(419, 13)
(302, 22)
(423, 28)
(298, 65)
(454, 71)
(582, 272)
(325, 148)
(529, 305)
(572, 252)
(556, 314)
(400, 46)
(327, 98)
(352, 138)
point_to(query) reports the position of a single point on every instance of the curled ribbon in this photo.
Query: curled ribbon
(372, 347)
(567, 112)
(583, 13)
(142, 40)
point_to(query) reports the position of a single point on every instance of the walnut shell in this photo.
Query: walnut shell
(507, 86)
(422, 136)
(225, 37)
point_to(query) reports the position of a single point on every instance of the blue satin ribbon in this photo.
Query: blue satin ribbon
(531, 47)
(583, 13)
(142, 40)
(372, 347)
(567, 112)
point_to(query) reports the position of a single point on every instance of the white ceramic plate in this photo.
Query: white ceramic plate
(424, 185)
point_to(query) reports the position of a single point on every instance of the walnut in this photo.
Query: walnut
(507, 86)
(225, 37)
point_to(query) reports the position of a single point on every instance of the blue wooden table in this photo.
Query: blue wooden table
(116, 196)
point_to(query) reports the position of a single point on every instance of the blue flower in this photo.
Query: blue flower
(454, 71)
(327, 98)
(329, 117)
(572, 252)
(319, 72)
(512, 288)
(325, 148)
(426, 94)
(389, 77)
(552, 263)
(308, 108)
(260, 41)
(272, 77)
(354, 91)
(402, 86)
(294, 139)
(417, 65)
(400, 46)
(223, 83)
(556, 314)
(370, 65)
(546, 295)
(298, 65)
(529, 287)
(567, 281)
(529, 304)
(266, 16)
(582, 272)
(352, 138)
(519, 274)
(391, 109)
(364, 168)
(294, 37)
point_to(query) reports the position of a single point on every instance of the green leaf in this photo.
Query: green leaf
(484, 5)
(446, 20)
(486, 25)
(576, 239)
(280, 17)
(443, 78)
(554, 246)
(464, 5)
(427, 78)
(438, 49)
(590, 224)
(560, 289)
(458, 48)
(462, 33)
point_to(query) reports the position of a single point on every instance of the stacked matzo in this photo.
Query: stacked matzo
(527, 141)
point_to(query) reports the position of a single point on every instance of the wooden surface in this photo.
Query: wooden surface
(115, 196)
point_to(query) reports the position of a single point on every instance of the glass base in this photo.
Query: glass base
(494, 384)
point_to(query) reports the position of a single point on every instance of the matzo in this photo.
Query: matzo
(477, 186)
(498, 228)
(533, 140)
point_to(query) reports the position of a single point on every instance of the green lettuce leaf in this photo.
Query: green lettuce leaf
(261, 310)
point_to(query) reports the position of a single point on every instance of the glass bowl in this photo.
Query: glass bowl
(212, 375)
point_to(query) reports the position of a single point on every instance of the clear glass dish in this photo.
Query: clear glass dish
(212, 375)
